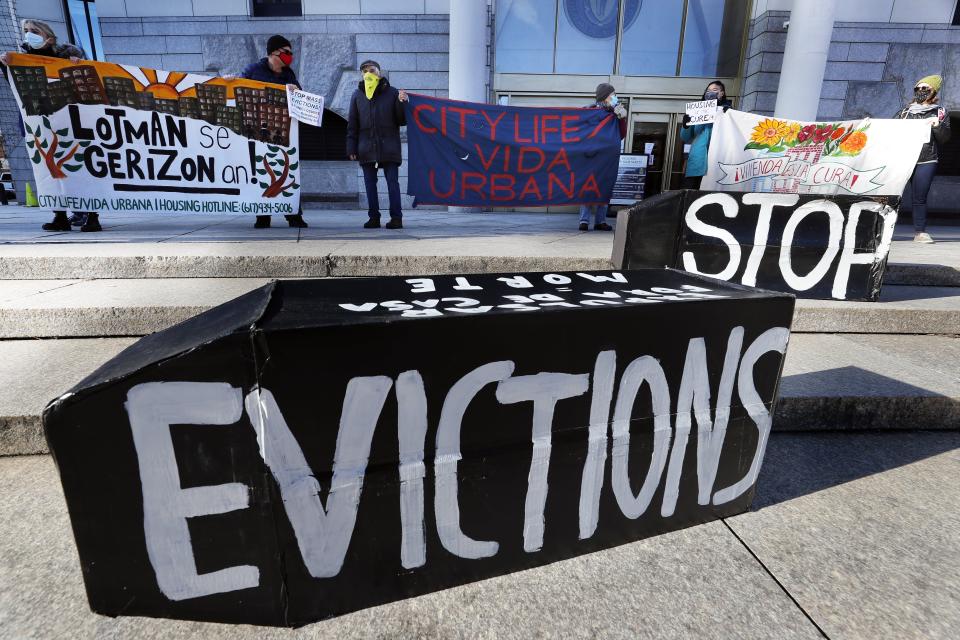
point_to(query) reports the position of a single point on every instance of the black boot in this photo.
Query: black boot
(372, 223)
(602, 226)
(297, 221)
(395, 223)
(92, 223)
(263, 222)
(60, 222)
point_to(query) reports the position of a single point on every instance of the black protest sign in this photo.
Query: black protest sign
(320, 446)
(814, 247)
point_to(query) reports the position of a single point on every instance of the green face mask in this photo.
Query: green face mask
(370, 82)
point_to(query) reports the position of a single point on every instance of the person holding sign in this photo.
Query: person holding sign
(698, 137)
(40, 40)
(926, 106)
(373, 139)
(275, 68)
(606, 98)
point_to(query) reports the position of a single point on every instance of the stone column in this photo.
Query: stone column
(468, 50)
(20, 166)
(805, 59)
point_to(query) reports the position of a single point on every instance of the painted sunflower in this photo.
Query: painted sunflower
(854, 143)
(769, 132)
(793, 130)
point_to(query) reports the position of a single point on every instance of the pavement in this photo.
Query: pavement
(850, 536)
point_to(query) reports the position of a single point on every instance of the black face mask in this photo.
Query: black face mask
(711, 95)
(922, 95)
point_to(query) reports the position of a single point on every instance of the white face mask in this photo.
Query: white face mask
(33, 40)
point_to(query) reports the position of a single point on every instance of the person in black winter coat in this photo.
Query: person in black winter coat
(926, 106)
(373, 139)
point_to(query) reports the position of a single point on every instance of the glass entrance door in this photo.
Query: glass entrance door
(650, 133)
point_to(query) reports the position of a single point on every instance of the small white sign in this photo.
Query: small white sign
(648, 148)
(305, 107)
(703, 112)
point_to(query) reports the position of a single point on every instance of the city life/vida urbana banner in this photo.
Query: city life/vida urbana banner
(855, 157)
(112, 137)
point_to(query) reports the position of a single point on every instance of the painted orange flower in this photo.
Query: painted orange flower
(793, 130)
(854, 143)
(769, 132)
(839, 131)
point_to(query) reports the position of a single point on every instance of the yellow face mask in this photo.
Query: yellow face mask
(370, 82)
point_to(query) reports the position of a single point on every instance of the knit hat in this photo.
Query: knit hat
(277, 42)
(369, 62)
(604, 90)
(934, 81)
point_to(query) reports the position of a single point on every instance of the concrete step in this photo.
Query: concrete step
(135, 307)
(352, 253)
(830, 382)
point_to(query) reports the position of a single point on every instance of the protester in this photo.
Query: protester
(373, 139)
(275, 68)
(698, 137)
(606, 98)
(926, 106)
(39, 39)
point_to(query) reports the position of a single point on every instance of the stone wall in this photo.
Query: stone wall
(871, 70)
(411, 48)
(871, 67)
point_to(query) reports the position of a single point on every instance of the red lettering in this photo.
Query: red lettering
(600, 126)
(516, 130)
(564, 129)
(590, 185)
(509, 181)
(525, 150)
(531, 187)
(416, 117)
(536, 128)
(443, 121)
(486, 162)
(506, 159)
(463, 118)
(561, 159)
(433, 186)
(567, 191)
(467, 185)
(493, 123)
(545, 127)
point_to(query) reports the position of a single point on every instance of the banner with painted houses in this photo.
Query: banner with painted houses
(855, 157)
(112, 137)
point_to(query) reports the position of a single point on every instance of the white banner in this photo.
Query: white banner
(855, 157)
(108, 137)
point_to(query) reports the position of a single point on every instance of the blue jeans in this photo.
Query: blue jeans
(391, 171)
(920, 182)
(599, 213)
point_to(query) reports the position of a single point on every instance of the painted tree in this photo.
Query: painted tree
(276, 169)
(56, 152)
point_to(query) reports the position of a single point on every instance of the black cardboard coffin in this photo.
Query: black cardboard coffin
(315, 447)
(829, 257)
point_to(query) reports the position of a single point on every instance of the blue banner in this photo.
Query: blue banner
(485, 155)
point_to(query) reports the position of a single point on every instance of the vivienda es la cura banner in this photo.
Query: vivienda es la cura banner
(112, 137)
(856, 157)
(471, 154)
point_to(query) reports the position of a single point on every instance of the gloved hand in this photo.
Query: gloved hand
(620, 111)
(686, 120)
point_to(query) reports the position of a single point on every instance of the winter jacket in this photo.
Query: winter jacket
(621, 122)
(698, 136)
(262, 72)
(65, 50)
(373, 127)
(938, 135)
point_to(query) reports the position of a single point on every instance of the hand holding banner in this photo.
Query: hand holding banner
(305, 107)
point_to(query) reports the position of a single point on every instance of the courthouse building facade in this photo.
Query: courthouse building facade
(659, 54)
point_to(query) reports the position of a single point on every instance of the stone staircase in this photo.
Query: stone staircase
(67, 307)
